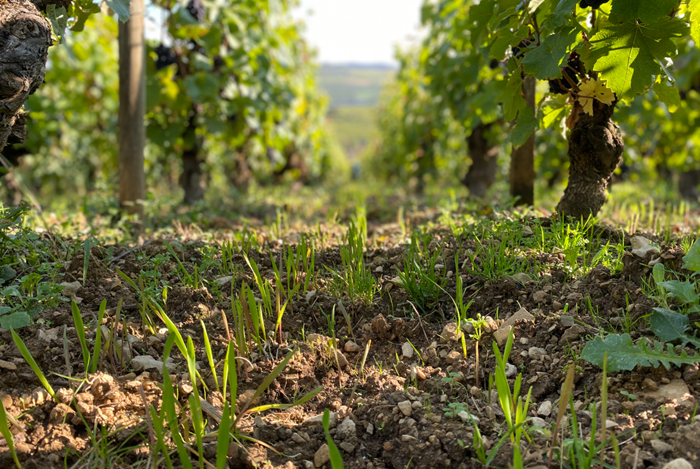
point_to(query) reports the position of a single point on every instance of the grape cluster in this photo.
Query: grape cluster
(595, 4)
(516, 50)
(572, 69)
(197, 10)
(166, 56)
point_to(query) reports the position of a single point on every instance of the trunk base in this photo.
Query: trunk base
(595, 150)
(484, 156)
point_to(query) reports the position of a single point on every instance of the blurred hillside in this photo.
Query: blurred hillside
(354, 91)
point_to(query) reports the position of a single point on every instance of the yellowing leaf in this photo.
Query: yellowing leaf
(591, 89)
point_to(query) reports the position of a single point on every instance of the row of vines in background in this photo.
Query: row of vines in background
(232, 100)
(455, 110)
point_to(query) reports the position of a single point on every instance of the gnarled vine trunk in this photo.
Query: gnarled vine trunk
(688, 182)
(192, 178)
(25, 38)
(484, 156)
(595, 150)
(522, 158)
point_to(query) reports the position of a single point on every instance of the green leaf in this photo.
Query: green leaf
(511, 96)
(58, 17)
(658, 272)
(480, 15)
(336, 458)
(7, 273)
(561, 14)
(15, 320)
(630, 55)
(624, 355)
(668, 95)
(647, 11)
(694, 10)
(524, 126)
(121, 8)
(692, 259)
(684, 291)
(545, 61)
(669, 325)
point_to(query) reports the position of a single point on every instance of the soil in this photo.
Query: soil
(395, 411)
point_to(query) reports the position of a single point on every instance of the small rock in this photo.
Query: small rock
(679, 463)
(523, 278)
(466, 417)
(574, 297)
(351, 347)
(641, 247)
(61, 413)
(536, 353)
(556, 305)
(70, 288)
(405, 408)
(379, 270)
(416, 405)
(572, 333)
(676, 391)
(527, 231)
(449, 333)
(346, 429)
(661, 446)
(540, 296)
(370, 429)
(452, 357)
(650, 384)
(545, 409)
(388, 446)
(310, 295)
(318, 419)
(147, 362)
(538, 422)
(348, 447)
(39, 396)
(408, 438)
(8, 365)
(501, 335)
(6, 400)
(407, 350)
(511, 370)
(566, 321)
(221, 281)
(322, 456)
(308, 465)
(297, 438)
(342, 361)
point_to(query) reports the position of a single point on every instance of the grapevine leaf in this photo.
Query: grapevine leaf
(512, 96)
(624, 355)
(533, 5)
(694, 9)
(629, 55)
(647, 11)
(669, 325)
(525, 124)
(561, 14)
(58, 17)
(692, 259)
(82, 13)
(668, 95)
(545, 60)
(480, 15)
(684, 291)
(15, 320)
(121, 8)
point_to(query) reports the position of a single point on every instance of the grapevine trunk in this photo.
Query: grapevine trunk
(484, 156)
(25, 37)
(522, 160)
(595, 150)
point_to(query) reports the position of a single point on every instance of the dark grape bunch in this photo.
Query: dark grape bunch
(595, 4)
(516, 50)
(166, 56)
(197, 10)
(572, 69)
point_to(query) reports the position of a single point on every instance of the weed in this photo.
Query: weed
(354, 279)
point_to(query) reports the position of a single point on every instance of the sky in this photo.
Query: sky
(364, 31)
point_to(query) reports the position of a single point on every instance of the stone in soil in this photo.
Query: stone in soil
(405, 407)
(545, 409)
(322, 456)
(501, 335)
(679, 463)
(346, 429)
(407, 350)
(351, 347)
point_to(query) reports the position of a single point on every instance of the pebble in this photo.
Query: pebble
(572, 333)
(70, 288)
(405, 407)
(6, 400)
(147, 362)
(545, 409)
(452, 357)
(523, 278)
(449, 333)
(348, 447)
(322, 456)
(388, 446)
(408, 438)
(566, 321)
(346, 429)
(8, 365)
(540, 296)
(407, 350)
(661, 446)
(318, 419)
(679, 463)
(511, 370)
(297, 438)
(536, 353)
(650, 384)
(501, 335)
(370, 429)
(342, 361)
(351, 347)
(538, 422)
(468, 418)
(641, 247)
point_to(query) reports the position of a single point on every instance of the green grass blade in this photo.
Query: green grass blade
(306, 398)
(171, 413)
(7, 434)
(98, 337)
(29, 359)
(336, 458)
(86, 259)
(210, 357)
(223, 440)
(80, 331)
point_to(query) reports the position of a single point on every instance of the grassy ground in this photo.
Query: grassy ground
(437, 332)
